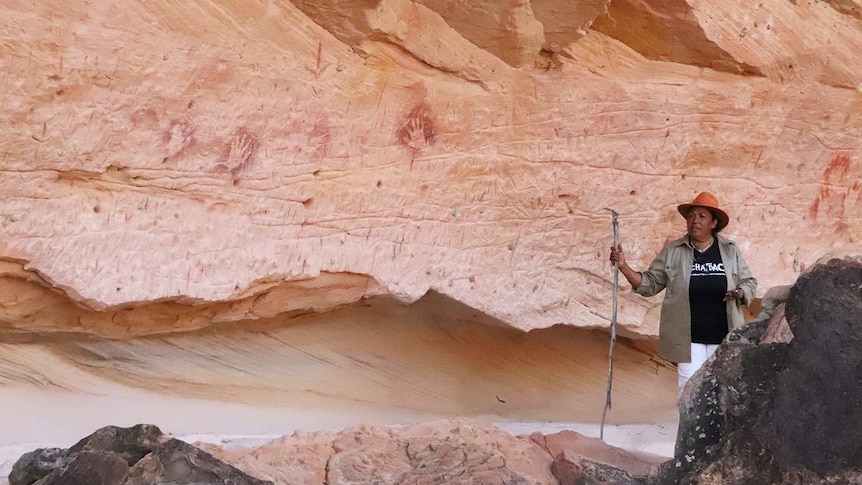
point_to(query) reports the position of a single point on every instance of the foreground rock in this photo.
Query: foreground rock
(140, 455)
(451, 452)
(766, 411)
(585, 461)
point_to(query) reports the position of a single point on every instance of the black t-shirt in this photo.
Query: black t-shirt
(706, 290)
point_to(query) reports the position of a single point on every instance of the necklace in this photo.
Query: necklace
(708, 245)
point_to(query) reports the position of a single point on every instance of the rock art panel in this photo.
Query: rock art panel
(205, 149)
(239, 154)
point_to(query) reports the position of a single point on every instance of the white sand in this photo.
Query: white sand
(36, 418)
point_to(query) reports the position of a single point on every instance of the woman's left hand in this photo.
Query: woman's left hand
(734, 294)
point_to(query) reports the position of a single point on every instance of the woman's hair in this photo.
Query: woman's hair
(715, 217)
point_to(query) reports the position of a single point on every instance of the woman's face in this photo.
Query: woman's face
(699, 223)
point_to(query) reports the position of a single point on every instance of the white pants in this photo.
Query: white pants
(699, 354)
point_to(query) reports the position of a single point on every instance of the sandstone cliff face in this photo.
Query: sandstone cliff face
(207, 151)
(168, 166)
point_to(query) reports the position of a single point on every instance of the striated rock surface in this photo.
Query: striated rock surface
(280, 202)
(435, 357)
(207, 153)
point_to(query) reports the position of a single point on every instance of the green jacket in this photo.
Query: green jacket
(671, 270)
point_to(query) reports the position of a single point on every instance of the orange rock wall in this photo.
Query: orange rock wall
(208, 152)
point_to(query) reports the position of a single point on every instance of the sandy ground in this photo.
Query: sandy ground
(34, 418)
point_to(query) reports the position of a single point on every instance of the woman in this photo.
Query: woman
(707, 283)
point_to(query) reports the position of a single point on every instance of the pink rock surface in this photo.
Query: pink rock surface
(187, 188)
(452, 451)
(192, 151)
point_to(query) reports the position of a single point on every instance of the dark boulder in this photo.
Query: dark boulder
(781, 412)
(36, 464)
(89, 468)
(140, 455)
(816, 419)
(177, 462)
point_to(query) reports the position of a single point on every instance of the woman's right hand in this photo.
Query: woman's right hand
(618, 256)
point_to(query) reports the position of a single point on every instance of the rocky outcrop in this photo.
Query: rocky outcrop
(782, 412)
(125, 456)
(452, 452)
(579, 460)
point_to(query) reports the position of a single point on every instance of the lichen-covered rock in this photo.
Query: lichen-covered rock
(131, 444)
(139, 455)
(781, 412)
(815, 421)
(89, 468)
(36, 464)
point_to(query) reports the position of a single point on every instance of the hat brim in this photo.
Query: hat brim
(719, 214)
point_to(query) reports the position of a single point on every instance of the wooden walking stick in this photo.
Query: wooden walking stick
(616, 226)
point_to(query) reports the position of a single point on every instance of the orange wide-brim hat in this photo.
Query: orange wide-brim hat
(707, 200)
